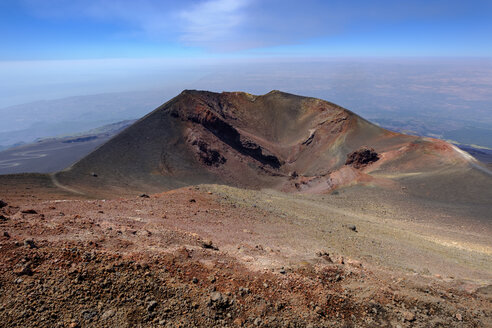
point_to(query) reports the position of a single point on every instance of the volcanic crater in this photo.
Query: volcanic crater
(249, 141)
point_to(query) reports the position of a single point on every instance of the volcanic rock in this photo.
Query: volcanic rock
(209, 244)
(30, 243)
(352, 227)
(408, 316)
(152, 305)
(216, 297)
(24, 269)
(30, 211)
(206, 153)
(362, 157)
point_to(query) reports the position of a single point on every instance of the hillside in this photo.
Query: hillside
(278, 140)
(56, 153)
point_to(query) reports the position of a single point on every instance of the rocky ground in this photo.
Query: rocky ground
(214, 256)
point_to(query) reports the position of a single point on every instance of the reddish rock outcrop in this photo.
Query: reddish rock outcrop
(362, 157)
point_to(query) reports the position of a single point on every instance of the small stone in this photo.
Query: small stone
(30, 243)
(239, 322)
(408, 316)
(257, 322)
(74, 325)
(459, 317)
(3, 218)
(282, 271)
(2, 204)
(152, 305)
(209, 244)
(243, 291)
(25, 269)
(31, 211)
(192, 201)
(108, 314)
(216, 297)
(6, 234)
(194, 280)
(89, 315)
(352, 227)
(144, 196)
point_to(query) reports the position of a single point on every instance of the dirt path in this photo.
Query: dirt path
(65, 188)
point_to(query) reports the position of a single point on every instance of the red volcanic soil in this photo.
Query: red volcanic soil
(196, 258)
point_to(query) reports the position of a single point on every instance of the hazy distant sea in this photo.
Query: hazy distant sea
(446, 98)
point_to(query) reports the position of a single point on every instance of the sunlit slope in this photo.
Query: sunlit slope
(276, 140)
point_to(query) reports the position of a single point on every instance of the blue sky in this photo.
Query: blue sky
(97, 29)
(51, 49)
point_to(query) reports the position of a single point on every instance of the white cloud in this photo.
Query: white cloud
(213, 22)
(247, 24)
(151, 17)
(205, 23)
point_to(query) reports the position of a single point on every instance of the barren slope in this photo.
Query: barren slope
(216, 256)
(277, 140)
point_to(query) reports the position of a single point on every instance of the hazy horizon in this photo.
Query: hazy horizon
(421, 95)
